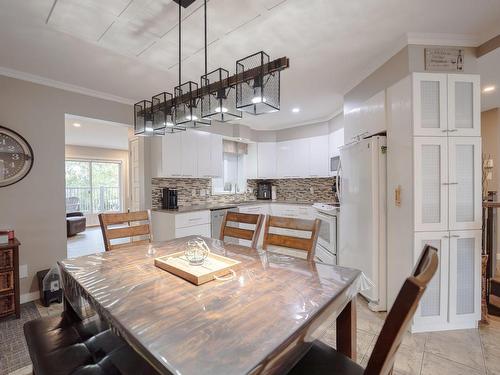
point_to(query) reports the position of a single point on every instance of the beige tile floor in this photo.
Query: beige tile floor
(472, 351)
(468, 352)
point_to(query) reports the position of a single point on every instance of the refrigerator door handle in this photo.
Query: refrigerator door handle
(337, 180)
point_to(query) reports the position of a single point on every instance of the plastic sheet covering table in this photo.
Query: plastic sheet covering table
(261, 321)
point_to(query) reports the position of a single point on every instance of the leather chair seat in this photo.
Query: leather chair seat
(60, 346)
(75, 223)
(323, 359)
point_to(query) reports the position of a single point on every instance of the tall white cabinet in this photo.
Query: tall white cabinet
(434, 166)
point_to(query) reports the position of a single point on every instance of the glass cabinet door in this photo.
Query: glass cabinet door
(430, 104)
(464, 183)
(464, 105)
(433, 307)
(431, 183)
(465, 276)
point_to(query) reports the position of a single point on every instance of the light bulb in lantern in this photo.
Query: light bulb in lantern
(191, 117)
(221, 109)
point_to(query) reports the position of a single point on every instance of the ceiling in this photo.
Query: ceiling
(96, 133)
(127, 49)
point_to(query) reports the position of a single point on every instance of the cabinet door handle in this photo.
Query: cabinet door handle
(453, 130)
(450, 183)
(455, 236)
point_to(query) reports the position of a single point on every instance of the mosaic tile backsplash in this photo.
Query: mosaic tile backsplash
(192, 191)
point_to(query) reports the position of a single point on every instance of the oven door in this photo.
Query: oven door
(327, 231)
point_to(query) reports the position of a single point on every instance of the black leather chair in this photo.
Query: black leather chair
(62, 346)
(75, 223)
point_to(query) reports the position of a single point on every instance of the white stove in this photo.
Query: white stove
(326, 248)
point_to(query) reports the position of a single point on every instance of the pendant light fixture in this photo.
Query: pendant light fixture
(162, 114)
(188, 104)
(261, 92)
(254, 89)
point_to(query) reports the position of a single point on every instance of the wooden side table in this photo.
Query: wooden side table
(9, 279)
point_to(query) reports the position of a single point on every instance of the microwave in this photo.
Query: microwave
(334, 163)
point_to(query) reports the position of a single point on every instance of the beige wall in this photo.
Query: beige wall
(97, 153)
(490, 131)
(35, 207)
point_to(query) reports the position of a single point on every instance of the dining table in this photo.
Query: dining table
(260, 320)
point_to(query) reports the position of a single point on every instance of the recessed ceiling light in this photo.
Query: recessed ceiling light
(489, 89)
(76, 125)
(296, 110)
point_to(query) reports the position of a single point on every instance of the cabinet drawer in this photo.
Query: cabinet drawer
(6, 259)
(324, 256)
(6, 281)
(197, 230)
(190, 219)
(7, 304)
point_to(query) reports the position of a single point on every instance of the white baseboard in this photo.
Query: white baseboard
(28, 297)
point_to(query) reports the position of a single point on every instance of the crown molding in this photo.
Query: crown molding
(12, 73)
(440, 39)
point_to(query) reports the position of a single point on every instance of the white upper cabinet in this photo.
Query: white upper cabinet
(335, 140)
(189, 154)
(284, 159)
(171, 155)
(203, 149)
(216, 155)
(430, 104)
(431, 183)
(464, 183)
(266, 160)
(251, 161)
(464, 105)
(319, 160)
(300, 160)
(210, 154)
(446, 104)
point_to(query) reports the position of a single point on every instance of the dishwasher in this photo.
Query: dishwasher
(216, 218)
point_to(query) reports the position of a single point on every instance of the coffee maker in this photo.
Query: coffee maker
(264, 190)
(169, 200)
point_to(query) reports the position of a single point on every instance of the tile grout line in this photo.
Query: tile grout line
(482, 351)
(423, 354)
(458, 363)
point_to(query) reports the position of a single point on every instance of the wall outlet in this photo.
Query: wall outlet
(193, 193)
(23, 271)
(203, 192)
(311, 190)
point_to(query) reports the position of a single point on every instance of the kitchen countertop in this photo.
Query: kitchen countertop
(219, 206)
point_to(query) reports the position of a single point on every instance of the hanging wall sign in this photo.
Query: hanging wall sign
(444, 59)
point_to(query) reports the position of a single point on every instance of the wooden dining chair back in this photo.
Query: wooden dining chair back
(116, 226)
(251, 235)
(282, 240)
(396, 324)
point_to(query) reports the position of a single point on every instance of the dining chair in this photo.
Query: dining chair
(323, 359)
(288, 241)
(242, 233)
(136, 224)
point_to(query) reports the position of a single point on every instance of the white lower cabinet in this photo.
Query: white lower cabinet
(169, 225)
(452, 298)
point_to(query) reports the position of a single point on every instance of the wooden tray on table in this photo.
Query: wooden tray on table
(214, 266)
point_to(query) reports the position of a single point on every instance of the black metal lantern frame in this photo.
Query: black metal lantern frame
(261, 93)
(188, 106)
(162, 114)
(143, 119)
(219, 101)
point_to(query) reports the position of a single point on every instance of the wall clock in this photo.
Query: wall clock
(16, 157)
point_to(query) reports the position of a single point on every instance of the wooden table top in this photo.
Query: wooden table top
(258, 322)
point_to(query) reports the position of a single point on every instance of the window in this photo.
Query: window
(233, 180)
(93, 186)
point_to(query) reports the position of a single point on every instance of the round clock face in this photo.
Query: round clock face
(16, 157)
